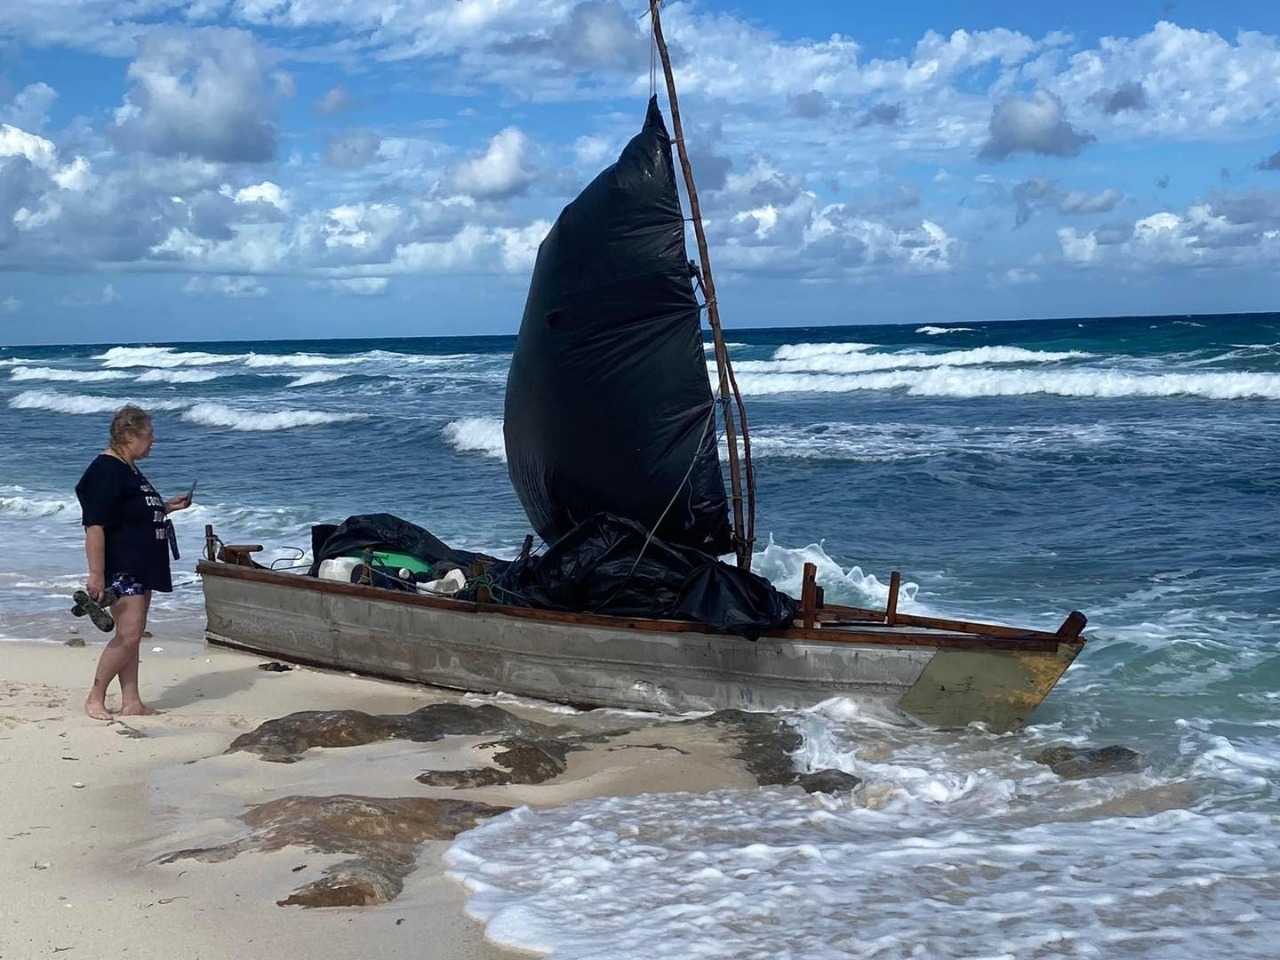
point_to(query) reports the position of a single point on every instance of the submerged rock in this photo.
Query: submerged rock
(381, 834)
(828, 781)
(1077, 763)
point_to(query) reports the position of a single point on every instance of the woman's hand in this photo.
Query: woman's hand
(180, 502)
(95, 585)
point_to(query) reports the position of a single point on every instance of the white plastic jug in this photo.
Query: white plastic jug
(339, 568)
(449, 584)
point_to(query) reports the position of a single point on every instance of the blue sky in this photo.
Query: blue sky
(225, 169)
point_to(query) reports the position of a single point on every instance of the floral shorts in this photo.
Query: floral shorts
(125, 586)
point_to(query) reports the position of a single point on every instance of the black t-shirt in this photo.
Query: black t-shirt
(120, 500)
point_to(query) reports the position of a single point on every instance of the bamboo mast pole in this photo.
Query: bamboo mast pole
(743, 536)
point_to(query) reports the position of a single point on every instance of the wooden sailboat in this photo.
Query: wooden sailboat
(614, 650)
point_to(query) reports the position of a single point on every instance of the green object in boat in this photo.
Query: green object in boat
(395, 560)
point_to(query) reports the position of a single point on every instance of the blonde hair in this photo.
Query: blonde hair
(130, 421)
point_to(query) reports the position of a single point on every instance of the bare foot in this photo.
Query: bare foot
(98, 710)
(138, 710)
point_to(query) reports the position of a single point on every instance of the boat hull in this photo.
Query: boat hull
(661, 666)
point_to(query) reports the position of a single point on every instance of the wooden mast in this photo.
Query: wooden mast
(743, 535)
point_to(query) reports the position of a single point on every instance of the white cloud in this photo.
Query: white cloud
(236, 288)
(357, 286)
(800, 145)
(503, 170)
(29, 108)
(1035, 124)
(1222, 231)
(593, 151)
(1195, 85)
(1079, 202)
(1077, 247)
(200, 93)
(335, 101)
(108, 295)
(353, 150)
(265, 192)
(38, 151)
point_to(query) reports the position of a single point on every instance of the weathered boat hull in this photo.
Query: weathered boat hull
(662, 666)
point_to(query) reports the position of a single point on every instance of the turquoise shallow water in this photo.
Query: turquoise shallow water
(1129, 468)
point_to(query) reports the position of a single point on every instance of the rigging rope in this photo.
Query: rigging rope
(711, 417)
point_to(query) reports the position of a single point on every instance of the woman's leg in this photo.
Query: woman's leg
(131, 704)
(120, 659)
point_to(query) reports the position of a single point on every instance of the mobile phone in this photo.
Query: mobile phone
(192, 492)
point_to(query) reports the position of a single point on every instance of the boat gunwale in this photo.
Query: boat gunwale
(876, 633)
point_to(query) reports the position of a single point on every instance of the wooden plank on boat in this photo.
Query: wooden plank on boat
(808, 595)
(843, 613)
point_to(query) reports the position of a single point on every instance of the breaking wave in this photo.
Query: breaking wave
(220, 415)
(297, 360)
(78, 403)
(938, 331)
(118, 357)
(972, 382)
(848, 361)
(30, 507)
(803, 351)
(311, 379)
(65, 376)
(178, 376)
(476, 435)
(890, 442)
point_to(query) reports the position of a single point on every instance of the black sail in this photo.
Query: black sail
(608, 406)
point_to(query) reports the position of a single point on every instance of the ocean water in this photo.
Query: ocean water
(1128, 468)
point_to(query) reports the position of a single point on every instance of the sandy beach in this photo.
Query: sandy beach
(92, 809)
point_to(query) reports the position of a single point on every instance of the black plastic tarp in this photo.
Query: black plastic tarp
(381, 531)
(610, 565)
(608, 404)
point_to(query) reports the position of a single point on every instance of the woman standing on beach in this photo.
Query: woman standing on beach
(127, 537)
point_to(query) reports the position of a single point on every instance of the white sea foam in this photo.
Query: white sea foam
(298, 360)
(846, 362)
(178, 376)
(938, 331)
(976, 382)
(449, 361)
(118, 357)
(221, 415)
(77, 403)
(803, 351)
(476, 435)
(784, 568)
(957, 843)
(311, 379)
(888, 442)
(35, 507)
(757, 875)
(65, 376)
